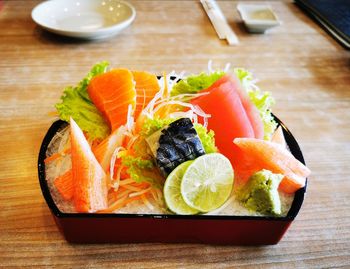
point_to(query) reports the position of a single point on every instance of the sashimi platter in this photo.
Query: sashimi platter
(206, 144)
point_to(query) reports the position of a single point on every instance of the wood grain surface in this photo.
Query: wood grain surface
(304, 68)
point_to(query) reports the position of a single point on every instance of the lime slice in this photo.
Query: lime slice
(172, 191)
(207, 182)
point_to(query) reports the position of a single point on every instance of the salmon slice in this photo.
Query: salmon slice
(112, 93)
(104, 151)
(90, 188)
(65, 185)
(258, 154)
(146, 87)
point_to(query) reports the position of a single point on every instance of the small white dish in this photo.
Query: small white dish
(87, 19)
(257, 17)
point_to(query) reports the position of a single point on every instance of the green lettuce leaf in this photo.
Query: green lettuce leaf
(196, 83)
(136, 167)
(152, 125)
(143, 170)
(207, 138)
(76, 103)
(262, 100)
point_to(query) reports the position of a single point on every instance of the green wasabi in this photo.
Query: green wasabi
(260, 194)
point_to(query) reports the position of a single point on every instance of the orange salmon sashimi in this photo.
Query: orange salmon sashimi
(257, 154)
(112, 93)
(146, 88)
(90, 188)
(104, 151)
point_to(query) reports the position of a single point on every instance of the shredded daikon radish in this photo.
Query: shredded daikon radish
(184, 114)
(150, 107)
(146, 202)
(139, 192)
(126, 181)
(196, 109)
(116, 181)
(113, 160)
(132, 141)
(130, 118)
(182, 97)
(205, 124)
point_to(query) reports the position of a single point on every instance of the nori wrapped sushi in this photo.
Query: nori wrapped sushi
(176, 143)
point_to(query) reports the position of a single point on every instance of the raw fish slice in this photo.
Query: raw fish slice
(146, 87)
(112, 93)
(228, 117)
(257, 154)
(104, 151)
(250, 109)
(90, 189)
(278, 137)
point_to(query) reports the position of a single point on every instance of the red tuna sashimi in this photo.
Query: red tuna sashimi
(112, 93)
(250, 109)
(228, 117)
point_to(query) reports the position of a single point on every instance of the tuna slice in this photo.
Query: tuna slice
(90, 189)
(228, 116)
(250, 109)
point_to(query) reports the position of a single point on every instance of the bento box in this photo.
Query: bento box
(130, 228)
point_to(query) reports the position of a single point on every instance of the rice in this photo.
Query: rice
(232, 206)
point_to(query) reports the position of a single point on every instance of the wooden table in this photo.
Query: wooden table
(304, 68)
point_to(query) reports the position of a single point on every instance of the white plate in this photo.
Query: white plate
(88, 19)
(257, 17)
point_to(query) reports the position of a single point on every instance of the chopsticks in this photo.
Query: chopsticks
(219, 22)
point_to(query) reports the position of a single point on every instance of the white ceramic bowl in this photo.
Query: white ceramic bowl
(88, 19)
(257, 17)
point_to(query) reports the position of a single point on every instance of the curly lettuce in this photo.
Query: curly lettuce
(196, 83)
(152, 125)
(142, 170)
(76, 103)
(207, 138)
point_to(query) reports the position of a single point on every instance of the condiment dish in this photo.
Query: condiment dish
(88, 19)
(257, 18)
